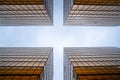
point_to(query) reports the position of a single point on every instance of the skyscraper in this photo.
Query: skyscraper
(26, 12)
(26, 63)
(91, 63)
(92, 12)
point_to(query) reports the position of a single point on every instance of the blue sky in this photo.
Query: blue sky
(59, 36)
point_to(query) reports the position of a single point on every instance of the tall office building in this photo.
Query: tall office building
(92, 63)
(26, 12)
(92, 12)
(26, 63)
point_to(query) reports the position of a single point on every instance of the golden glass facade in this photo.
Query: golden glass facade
(26, 63)
(92, 12)
(100, 63)
(26, 12)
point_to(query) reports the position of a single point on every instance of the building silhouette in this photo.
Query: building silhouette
(91, 63)
(26, 12)
(92, 12)
(26, 63)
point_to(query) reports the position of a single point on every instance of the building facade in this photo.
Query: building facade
(26, 63)
(92, 12)
(26, 12)
(91, 63)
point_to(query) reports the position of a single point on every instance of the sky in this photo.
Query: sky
(59, 36)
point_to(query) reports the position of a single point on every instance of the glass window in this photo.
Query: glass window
(42, 64)
(74, 64)
(74, 7)
(36, 63)
(30, 63)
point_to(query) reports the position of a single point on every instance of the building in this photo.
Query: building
(26, 12)
(91, 63)
(92, 12)
(26, 63)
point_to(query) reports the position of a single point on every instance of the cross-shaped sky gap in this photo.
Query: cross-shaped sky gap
(59, 36)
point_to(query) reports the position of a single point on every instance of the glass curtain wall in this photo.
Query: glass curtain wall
(26, 63)
(92, 63)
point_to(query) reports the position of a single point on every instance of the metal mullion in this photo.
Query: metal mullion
(80, 11)
(100, 18)
(11, 78)
(94, 12)
(95, 7)
(109, 69)
(89, 7)
(30, 67)
(14, 13)
(37, 13)
(104, 10)
(29, 59)
(95, 70)
(111, 72)
(98, 62)
(6, 70)
(2, 7)
(45, 58)
(13, 68)
(41, 13)
(26, 10)
(24, 19)
(102, 14)
(8, 8)
(31, 11)
(78, 59)
(10, 68)
(74, 12)
(74, 17)
(117, 62)
(22, 67)
(18, 18)
(98, 3)
(7, 64)
(114, 62)
(32, 58)
(39, 63)
(13, 62)
(92, 63)
(15, 7)
(109, 8)
(20, 64)
(88, 64)
(105, 63)
(116, 7)
(13, 2)
(88, 12)
(23, 9)
(37, 66)
(25, 59)
(73, 61)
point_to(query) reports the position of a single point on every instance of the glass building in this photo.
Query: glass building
(92, 12)
(91, 63)
(26, 12)
(26, 63)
